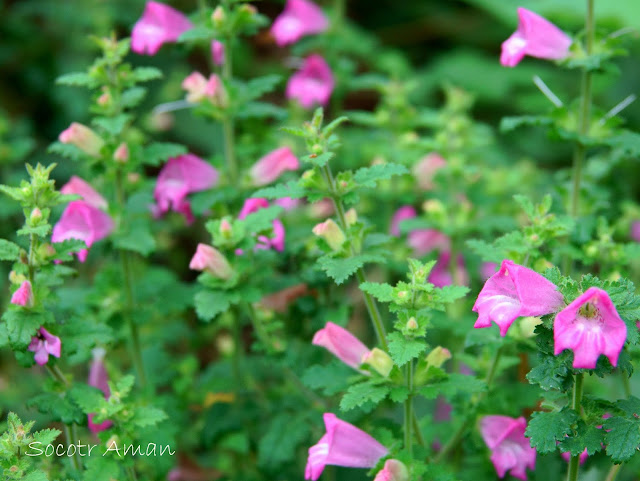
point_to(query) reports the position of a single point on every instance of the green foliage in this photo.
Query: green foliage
(545, 429)
(340, 269)
(367, 392)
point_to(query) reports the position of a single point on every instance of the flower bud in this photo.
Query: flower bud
(16, 278)
(330, 232)
(217, 52)
(23, 295)
(393, 470)
(412, 324)
(378, 360)
(438, 356)
(218, 16)
(122, 153)
(36, 216)
(209, 259)
(225, 228)
(433, 206)
(112, 442)
(224, 343)
(82, 137)
(351, 216)
(104, 99)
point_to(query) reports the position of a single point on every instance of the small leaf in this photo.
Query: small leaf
(340, 269)
(545, 428)
(211, 303)
(359, 394)
(9, 251)
(369, 176)
(403, 350)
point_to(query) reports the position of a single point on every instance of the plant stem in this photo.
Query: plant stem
(584, 119)
(227, 123)
(613, 472)
(372, 306)
(576, 400)
(70, 430)
(408, 410)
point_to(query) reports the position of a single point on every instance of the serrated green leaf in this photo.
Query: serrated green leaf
(158, 152)
(136, 237)
(77, 79)
(279, 191)
(284, 434)
(545, 428)
(46, 436)
(113, 125)
(148, 416)
(132, 97)
(398, 394)
(259, 86)
(319, 160)
(507, 124)
(144, 74)
(369, 176)
(382, 292)
(589, 437)
(9, 251)
(403, 350)
(622, 438)
(330, 379)
(361, 393)
(209, 304)
(197, 34)
(454, 385)
(340, 269)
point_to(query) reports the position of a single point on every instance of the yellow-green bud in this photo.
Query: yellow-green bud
(378, 360)
(438, 356)
(331, 233)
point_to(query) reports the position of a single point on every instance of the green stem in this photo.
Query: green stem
(576, 400)
(408, 410)
(70, 440)
(236, 360)
(613, 472)
(70, 430)
(372, 306)
(626, 384)
(227, 123)
(584, 119)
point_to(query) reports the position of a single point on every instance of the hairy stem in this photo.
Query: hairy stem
(408, 410)
(576, 400)
(613, 472)
(227, 123)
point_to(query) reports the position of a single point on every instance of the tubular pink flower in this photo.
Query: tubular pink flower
(252, 205)
(273, 165)
(98, 378)
(590, 326)
(179, 177)
(393, 470)
(159, 24)
(510, 450)
(217, 52)
(23, 296)
(342, 445)
(536, 37)
(299, 18)
(425, 170)
(331, 233)
(211, 260)
(198, 88)
(440, 275)
(423, 241)
(44, 344)
(82, 137)
(341, 343)
(80, 187)
(635, 230)
(84, 222)
(403, 213)
(515, 291)
(313, 84)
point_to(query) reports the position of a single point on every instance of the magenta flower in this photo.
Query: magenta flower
(393, 470)
(23, 296)
(341, 343)
(425, 170)
(84, 222)
(635, 230)
(98, 378)
(198, 88)
(80, 187)
(441, 275)
(288, 203)
(590, 326)
(342, 445)
(252, 205)
(536, 37)
(299, 18)
(159, 24)
(217, 52)
(44, 344)
(83, 138)
(313, 84)
(211, 260)
(423, 241)
(403, 213)
(515, 291)
(273, 165)
(510, 450)
(179, 177)
(277, 241)
(487, 269)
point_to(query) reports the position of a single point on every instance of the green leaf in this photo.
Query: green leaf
(261, 110)
(340, 268)
(551, 373)
(507, 124)
(46, 436)
(9, 251)
(211, 303)
(37, 475)
(588, 437)
(545, 428)
(319, 160)
(369, 176)
(148, 416)
(454, 385)
(359, 394)
(103, 468)
(399, 394)
(77, 79)
(59, 408)
(144, 74)
(278, 191)
(113, 125)
(403, 350)
(622, 438)
(136, 237)
(159, 152)
(132, 97)
(283, 436)
(22, 325)
(259, 86)
(65, 248)
(333, 125)
(382, 292)
(197, 34)
(87, 397)
(40, 231)
(330, 379)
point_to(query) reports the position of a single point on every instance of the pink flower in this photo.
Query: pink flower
(487, 269)
(277, 241)
(312, 84)
(590, 326)
(510, 450)
(403, 213)
(179, 177)
(287, 203)
(217, 52)
(98, 378)
(441, 276)
(252, 205)
(23, 296)
(299, 18)
(536, 37)
(423, 241)
(159, 24)
(331, 233)
(83, 138)
(341, 343)
(393, 470)
(211, 260)
(425, 170)
(44, 344)
(80, 187)
(635, 230)
(515, 291)
(342, 445)
(583, 456)
(273, 165)
(198, 88)
(84, 222)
